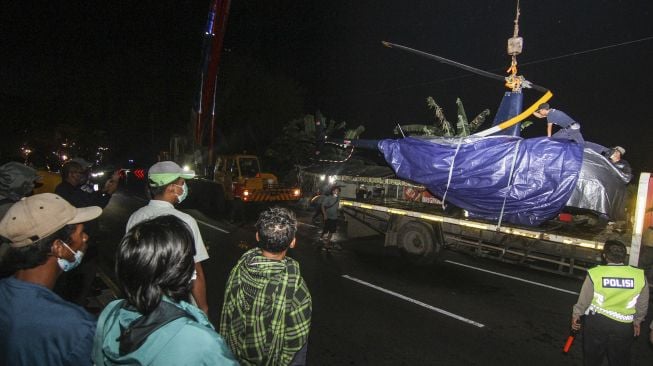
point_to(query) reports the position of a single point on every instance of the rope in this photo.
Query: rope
(515, 32)
(512, 170)
(444, 196)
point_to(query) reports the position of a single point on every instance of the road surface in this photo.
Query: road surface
(372, 308)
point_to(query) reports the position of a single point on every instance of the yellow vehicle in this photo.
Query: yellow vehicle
(242, 179)
(49, 181)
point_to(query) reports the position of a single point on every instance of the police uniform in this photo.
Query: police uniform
(613, 296)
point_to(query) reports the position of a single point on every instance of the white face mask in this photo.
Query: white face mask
(184, 192)
(66, 265)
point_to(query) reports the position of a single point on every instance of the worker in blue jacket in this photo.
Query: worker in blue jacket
(569, 129)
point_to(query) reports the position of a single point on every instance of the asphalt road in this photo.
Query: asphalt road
(372, 308)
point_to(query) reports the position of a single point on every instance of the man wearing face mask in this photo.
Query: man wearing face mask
(168, 187)
(46, 237)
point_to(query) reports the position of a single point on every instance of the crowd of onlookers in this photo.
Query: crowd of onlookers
(47, 262)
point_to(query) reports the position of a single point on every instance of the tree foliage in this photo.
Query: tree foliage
(442, 127)
(297, 144)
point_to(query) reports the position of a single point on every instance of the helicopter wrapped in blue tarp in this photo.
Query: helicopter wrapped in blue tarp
(522, 181)
(508, 178)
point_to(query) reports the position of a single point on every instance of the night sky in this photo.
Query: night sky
(100, 65)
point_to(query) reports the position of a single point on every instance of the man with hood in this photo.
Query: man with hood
(155, 324)
(16, 181)
(262, 329)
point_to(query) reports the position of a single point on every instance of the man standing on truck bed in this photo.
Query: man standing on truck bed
(614, 299)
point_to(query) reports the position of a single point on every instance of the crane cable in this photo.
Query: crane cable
(513, 81)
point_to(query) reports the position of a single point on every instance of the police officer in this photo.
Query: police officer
(614, 299)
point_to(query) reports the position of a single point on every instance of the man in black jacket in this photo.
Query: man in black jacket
(75, 285)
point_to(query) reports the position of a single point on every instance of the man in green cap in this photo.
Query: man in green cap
(167, 183)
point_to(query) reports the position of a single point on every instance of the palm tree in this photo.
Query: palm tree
(442, 127)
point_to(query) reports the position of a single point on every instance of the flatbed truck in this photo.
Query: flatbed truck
(422, 230)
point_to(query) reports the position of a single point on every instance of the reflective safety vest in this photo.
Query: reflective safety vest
(616, 290)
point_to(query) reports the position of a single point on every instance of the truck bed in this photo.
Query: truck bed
(581, 232)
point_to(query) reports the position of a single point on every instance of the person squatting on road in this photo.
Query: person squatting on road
(614, 299)
(330, 206)
(266, 316)
(569, 129)
(155, 324)
(46, 237)
(167, 187)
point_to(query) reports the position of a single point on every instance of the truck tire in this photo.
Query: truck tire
(417, 244)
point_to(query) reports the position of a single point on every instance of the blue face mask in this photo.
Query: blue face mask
(184, 192)
(66, 265)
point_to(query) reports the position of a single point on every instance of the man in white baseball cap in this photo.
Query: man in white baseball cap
(167, 182)
(165, 172)
(615, 155)
(46, 237)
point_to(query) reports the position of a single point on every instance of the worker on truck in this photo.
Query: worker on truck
(615, 155)
(569, 129)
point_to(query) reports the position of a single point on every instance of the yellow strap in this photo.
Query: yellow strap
(521, 116)
(518, 118)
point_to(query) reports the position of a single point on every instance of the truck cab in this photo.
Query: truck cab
(242, 179)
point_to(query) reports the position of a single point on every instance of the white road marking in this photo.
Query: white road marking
(416, 302)
(512, 277)
(305, 224)
(212, 226)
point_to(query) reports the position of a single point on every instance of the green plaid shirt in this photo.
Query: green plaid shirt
(266, 316)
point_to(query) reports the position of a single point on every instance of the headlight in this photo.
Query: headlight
(322, 177)
(296, 192)
(332, 179)
(245, 193)
(98, 174)
(186, 168)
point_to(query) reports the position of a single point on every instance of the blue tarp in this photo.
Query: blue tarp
(530, 180)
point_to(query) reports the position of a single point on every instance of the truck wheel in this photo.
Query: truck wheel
(416, 243)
